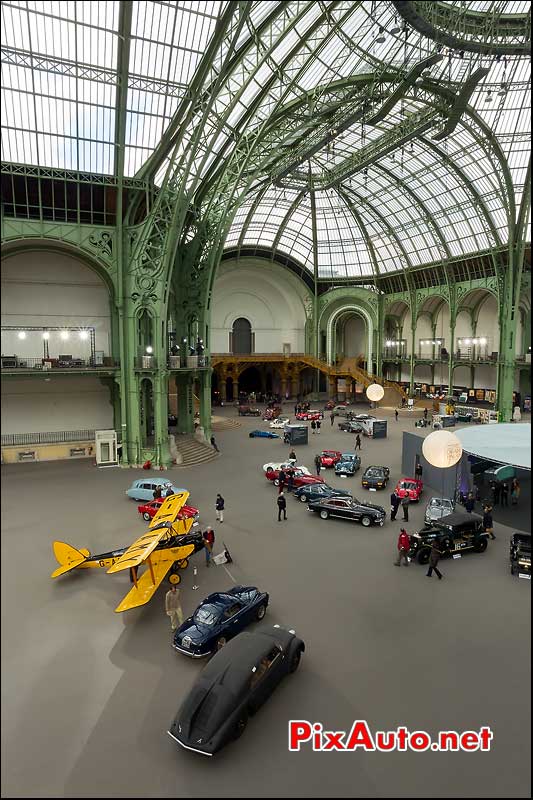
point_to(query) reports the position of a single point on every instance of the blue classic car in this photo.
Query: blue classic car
(144, 488)
(264, 435)
(219, 618)
(348, 465)
(318, 491)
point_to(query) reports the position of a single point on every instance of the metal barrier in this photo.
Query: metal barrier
(50, 437)
(18, 362)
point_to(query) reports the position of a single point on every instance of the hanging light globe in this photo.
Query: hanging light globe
(442, 449)
(375, 392)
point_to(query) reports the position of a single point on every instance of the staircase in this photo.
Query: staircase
(192, 451)
(223, 424)
(349, 367)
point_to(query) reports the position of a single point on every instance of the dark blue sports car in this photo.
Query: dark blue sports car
(218, 618)
(318, 491)
(264, 435)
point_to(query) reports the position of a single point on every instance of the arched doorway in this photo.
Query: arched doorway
(250, 380)
(241, 338)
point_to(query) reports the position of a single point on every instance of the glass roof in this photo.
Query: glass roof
(284, 92)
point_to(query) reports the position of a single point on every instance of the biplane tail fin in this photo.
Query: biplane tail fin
(68, 557)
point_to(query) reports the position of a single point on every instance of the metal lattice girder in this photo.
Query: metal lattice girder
(17, 57)
(465, 29)
(29, 171)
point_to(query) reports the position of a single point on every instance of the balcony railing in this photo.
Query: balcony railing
(50, 437)
(23, 363)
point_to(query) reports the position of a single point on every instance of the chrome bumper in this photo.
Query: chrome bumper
(186, 746)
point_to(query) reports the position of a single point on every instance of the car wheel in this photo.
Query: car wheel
(324, 514)
(366, 521)
(221, 641)
(174, 578)
(303, 498)
(184, 563)
(481, 545)
(423, 555)
(147, 516)
(269, 469)
(260, 612)
(276, 482)
(252, 437)
(240, 725)
(295, 660)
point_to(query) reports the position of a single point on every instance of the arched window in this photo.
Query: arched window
(241, 337)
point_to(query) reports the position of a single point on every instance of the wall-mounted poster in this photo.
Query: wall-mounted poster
(480, 395)
(472, 393)
(490, 396)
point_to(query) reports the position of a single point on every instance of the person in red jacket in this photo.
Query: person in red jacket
(404, 545)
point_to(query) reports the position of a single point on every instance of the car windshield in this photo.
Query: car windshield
(348, 457)
(207, 615)
(374, 472)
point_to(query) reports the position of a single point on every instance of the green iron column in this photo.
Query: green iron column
(185, 403)
(205, 402)
(453, 320)
(412, 364)
(379, 338)
(507, 345)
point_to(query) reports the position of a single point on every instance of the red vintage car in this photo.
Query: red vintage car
(329, 458)
(300, 478)
(312, 414)
(409, 487)
(149, 510)
(272, 413)
(332, 403)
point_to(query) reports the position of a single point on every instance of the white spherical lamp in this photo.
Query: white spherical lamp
(442, 449)
(375, 392)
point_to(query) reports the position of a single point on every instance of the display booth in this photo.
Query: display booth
(106, 448)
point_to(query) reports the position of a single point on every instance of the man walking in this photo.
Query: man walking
(404, 545)
(396, 414)
(434, 557)
(214, 444)
(425, 413)
(488, 524)
(209, 540)
(282, 506)
(173, 607)
(357, 442)
(219, 508)
(394, 505)
(318, 464)
(405, 508)
(332, 417)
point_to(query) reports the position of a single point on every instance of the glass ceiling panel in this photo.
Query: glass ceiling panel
(417, 201)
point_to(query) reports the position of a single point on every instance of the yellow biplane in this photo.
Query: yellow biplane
(164, 548)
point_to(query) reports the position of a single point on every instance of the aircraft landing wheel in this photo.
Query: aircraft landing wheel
(174, 578)
(184, 563)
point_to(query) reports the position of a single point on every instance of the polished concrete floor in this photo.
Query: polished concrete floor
(87, 694)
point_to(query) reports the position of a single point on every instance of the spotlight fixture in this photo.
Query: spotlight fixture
(46, 335)
(22, 334)
(395, 28)
(483, 341)
(381, 37)
(84, 335)
(488, 98)
(502, 90)
(64, 335)
(149, 350)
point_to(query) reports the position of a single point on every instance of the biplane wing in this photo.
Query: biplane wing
(158, 565)
(168, 513)
(143, 547)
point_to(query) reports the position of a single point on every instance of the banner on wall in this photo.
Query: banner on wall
(341, 384)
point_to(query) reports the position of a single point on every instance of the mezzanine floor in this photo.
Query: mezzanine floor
(87, 694)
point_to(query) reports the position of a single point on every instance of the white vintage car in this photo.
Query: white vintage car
(284, 465)
(280, 422)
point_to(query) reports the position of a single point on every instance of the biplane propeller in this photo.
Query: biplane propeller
(165, 549)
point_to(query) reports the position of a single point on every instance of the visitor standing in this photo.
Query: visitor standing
(332, 417)
(282, 477)
(209, 540)
(488, 524)
(394, 505)
(214, 444)
(318, 426)
(219, 508)
(313, 426)
(157, 493)
(282, 506)
(504, 494)
(173, 607)
(358, 442)
(290, 480)
(396, 414)
(318, 464)
(405, 508)
(292, 456)
(404, 545)
(425, 413)
(515, 491)
(470, 502)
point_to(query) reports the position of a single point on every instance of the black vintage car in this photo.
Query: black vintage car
(235, 683)
(455, 533)
(520, 554)
(350, 426)
(375, 477)
(248, 411)
(349, 508)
